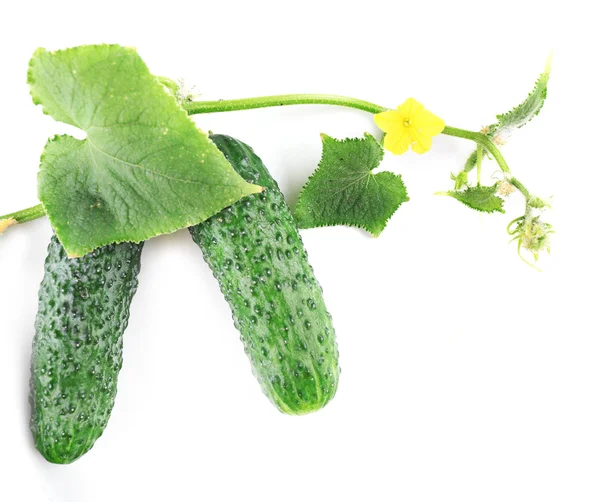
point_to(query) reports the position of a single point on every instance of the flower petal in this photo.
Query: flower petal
(428, 123)
(422, 142)
(388, 120)
(409, 125)
(397, 141)
(410, 108)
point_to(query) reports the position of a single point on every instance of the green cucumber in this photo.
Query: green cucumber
(78, 346)
(256, 253)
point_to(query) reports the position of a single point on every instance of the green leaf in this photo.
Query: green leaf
(480, 198)
(471, 162)
(144, 168)
(344, 191)
(517, 117)
(520, 115)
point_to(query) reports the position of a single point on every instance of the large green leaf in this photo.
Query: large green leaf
(144, 168)
(344, 191)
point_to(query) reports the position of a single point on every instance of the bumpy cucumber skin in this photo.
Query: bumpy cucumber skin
(78, 346)
(256, 253)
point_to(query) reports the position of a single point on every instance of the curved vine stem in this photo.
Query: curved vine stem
(480, 139)
(509, 228)
(230, 105)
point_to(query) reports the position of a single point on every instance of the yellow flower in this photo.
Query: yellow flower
(408, 125)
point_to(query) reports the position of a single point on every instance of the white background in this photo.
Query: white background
(467, 375)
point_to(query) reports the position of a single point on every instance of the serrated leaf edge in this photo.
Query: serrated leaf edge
(453, 193)
(324, 138)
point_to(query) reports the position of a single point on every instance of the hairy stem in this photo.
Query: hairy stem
(480, 139)
(24, 215)
(197, 107)
(479, 158)
(519, 186)
(230, 105)
(487, 144)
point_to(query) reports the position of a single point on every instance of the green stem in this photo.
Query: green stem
(479, 158)
(230, 105)
(519, 186)
(196, 107)
(480, 139)
(509, 228)
(487, 144)
(24, 215)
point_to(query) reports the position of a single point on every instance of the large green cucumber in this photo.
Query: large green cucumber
(256, 253)
(78, 346)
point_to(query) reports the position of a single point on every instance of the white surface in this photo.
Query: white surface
(467, 376)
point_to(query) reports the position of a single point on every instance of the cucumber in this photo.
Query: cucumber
(78, 346)
(255, 251)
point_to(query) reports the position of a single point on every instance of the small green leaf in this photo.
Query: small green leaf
(520, 115)
(471, 162)
(144, 168)
(344, 191)
(480, 198)
(516, 118)
(460, 180)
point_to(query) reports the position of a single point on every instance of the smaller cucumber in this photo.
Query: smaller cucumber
(78, 346)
